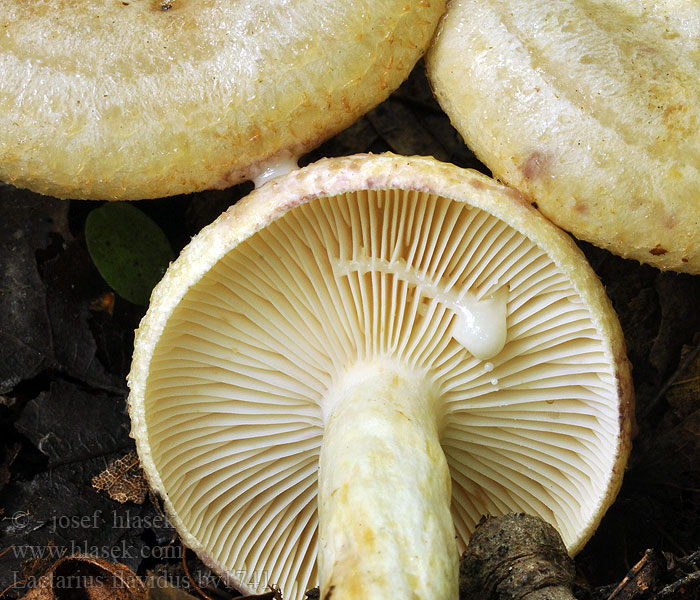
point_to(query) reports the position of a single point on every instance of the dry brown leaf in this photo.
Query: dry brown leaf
(123, 480)
(89, 578)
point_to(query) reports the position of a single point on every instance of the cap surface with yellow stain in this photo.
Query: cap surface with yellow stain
(129, 99)
(591, 109)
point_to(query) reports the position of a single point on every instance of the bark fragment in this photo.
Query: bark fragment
(516, 557)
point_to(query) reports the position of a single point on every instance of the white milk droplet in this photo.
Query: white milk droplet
(488, 367)
(278, 167)
(481, 324)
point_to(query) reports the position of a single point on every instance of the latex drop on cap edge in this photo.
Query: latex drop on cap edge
(276, 168)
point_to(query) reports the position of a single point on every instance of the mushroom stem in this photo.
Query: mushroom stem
(384, 490)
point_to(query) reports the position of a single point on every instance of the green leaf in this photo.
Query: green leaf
(128, 248)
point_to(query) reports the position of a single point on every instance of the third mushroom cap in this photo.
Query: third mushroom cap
(358, 361)
(591, 109)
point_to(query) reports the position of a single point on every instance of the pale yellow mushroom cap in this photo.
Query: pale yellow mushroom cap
(591, 109)
(129, 99)
(350, 263)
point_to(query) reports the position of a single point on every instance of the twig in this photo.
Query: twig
(690, 559)
(197, 589)
(9, 587)
(686, 586)
(634, 571)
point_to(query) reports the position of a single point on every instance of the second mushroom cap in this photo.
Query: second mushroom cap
(136, 99)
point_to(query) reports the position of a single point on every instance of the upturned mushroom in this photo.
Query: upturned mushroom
(341, 374)
(135, 99)
(591, 109)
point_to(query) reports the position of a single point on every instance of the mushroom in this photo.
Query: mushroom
(591, 109)
(407, 341)
(130, 99)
